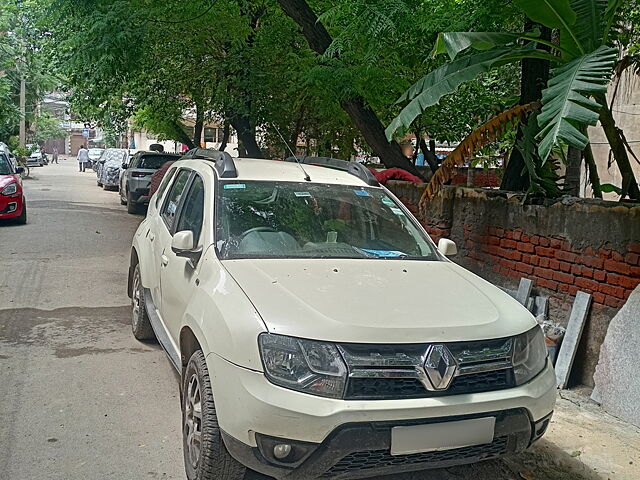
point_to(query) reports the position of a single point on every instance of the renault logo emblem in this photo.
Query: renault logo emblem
(440, 367)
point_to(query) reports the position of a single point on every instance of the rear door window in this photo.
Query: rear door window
(171, 204)
(192, 213)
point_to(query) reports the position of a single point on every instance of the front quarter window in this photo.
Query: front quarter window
(303, 220)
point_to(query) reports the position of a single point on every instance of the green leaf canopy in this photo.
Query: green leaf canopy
(565, 102)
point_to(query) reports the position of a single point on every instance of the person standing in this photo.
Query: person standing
(54, 155)
(83, 157)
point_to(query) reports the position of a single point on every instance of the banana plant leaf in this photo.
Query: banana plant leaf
(555, 14)
(589, 26)
(565, 101)
(452, 43)
(446, 79)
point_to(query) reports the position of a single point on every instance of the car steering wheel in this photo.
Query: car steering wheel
(257, 229)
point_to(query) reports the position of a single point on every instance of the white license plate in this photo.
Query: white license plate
(442, 436)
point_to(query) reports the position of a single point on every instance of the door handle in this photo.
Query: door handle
(164, 260)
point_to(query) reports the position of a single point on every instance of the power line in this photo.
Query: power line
(626, 113)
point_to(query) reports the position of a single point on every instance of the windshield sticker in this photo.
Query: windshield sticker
(302, 194)
(397, 211)
(388, 201)
(234, 186)
(362, 193)
(384, 253)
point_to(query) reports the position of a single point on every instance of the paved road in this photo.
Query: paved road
(79, 397)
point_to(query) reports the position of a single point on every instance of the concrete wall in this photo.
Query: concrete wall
(626, 112)
(564, 246)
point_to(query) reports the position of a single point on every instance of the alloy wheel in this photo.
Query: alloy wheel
(193, 421)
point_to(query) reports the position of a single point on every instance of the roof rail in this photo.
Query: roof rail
(223, 162)
(354, 168)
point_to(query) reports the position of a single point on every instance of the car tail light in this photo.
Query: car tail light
(140, 174)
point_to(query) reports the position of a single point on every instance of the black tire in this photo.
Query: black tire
(99, 184)
(22, 219)
(123, 201)
(106, 187)
(132, 206)
(140, 324)
(212, 461)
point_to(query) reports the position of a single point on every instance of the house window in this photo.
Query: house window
(210, 135)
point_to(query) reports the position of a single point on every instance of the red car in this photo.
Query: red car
(12, 202)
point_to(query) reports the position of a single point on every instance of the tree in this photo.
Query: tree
(355, 105)
(47, 128)
(575, 94)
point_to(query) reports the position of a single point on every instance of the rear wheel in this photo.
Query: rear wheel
(140, 324)
(132, 206)
(205, 455)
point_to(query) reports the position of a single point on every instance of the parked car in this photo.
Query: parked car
(136, 178)
(12, 202)
(36, 159)
(320, 333)
(94, 155)
(4, 149)
(108, 167)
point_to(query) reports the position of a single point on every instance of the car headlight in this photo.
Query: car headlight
(307, 366)
(529, 355)
(10, 189)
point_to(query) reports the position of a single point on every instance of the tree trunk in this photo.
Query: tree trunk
(247, 144)
(226, 133)
(535, 75)
(629, 183)
(356, 107)
(429, 154)
(594, 178)
(572, 176)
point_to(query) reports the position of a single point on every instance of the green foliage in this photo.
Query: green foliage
(543, 179)
(566, 105)
(47, 128)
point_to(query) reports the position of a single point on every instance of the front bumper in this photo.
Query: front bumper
(11, 207)
(338, 431)
(362, 450)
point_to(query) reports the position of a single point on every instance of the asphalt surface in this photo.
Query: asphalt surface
(80, 398)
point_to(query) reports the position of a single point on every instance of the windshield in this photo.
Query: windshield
(310, 220)
(95, 152)
(155, 161)
(5, 165)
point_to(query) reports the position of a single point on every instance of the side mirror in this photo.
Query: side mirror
(183, 245)
(19, 170)
(447, 247)
(125, 166)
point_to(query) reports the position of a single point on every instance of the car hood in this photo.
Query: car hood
(377, 301)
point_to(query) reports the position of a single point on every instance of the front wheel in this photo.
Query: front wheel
(140, 323)
(22, 219)
(205, 455)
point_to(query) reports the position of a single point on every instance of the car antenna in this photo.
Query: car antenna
(306, 175)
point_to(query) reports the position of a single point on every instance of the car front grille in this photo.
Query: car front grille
(398, 388)
(386, 372)
(377, 459)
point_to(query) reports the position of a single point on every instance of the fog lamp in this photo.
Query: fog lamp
(281, 451)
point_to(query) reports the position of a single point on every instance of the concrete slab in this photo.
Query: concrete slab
(617, 380)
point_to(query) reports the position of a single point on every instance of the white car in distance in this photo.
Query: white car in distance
(320, 333)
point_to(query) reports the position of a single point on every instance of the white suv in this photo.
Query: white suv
(320, 333)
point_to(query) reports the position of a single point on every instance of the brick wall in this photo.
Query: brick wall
(563, 245)
(555, 265)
